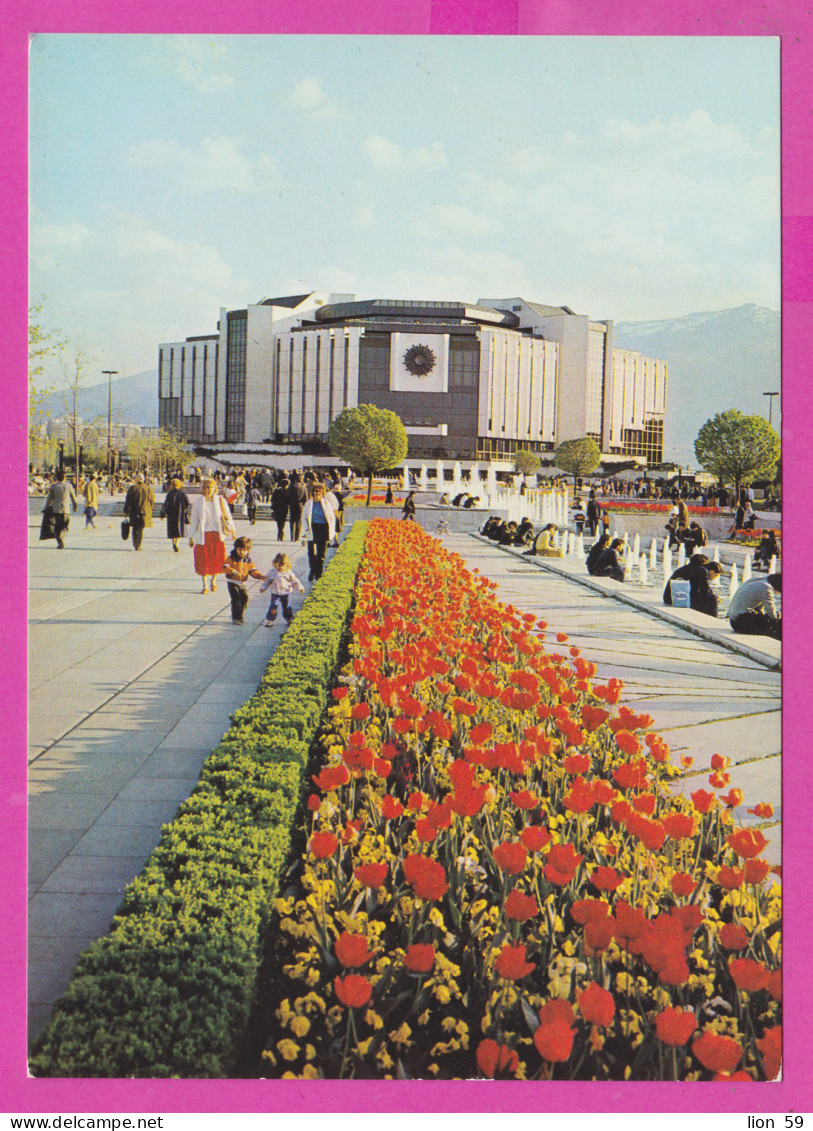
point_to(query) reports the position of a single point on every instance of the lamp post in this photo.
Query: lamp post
(109, 374)
(770, 397)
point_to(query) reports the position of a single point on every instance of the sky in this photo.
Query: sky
(170, 176)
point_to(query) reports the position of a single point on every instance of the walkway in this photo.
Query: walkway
(134, 674)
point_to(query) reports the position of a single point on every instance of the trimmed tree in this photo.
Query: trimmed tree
(370, 439)
(578, 457)
(738, 448)
(526, 463)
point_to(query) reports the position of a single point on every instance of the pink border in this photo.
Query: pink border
(788, 19)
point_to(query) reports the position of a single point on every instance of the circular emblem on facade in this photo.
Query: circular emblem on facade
(419, 360)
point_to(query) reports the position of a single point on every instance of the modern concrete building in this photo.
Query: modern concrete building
(469, 380)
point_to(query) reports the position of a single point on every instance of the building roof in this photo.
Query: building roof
(291, 301)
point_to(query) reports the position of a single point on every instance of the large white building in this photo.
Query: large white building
(469, 380)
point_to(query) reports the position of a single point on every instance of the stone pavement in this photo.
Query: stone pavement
(133, 676)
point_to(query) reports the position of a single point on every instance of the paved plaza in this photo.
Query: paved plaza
(134, 674)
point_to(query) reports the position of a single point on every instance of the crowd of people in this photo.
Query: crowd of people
(307, 506)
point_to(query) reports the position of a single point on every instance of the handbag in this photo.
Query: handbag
(125, 530)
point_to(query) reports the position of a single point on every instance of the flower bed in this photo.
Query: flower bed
(377, 500)
(752, 537)
(168, 991)
(630, 506)
(500, 879)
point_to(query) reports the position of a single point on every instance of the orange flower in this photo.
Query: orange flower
(598, 933)
(679, 826)
(353, 991)
(733, 936)
(730, 878)
(323, 845)
(718, 1054)
(524, 799)
(675, 1026)
(494, 1059)
(605, 879)
(511, 963)
(420, 958)
(351, 950)
(371, 875)
(770, 1048)
(718, 762)
(593, 717)
(535, 837)
(391, 809)
(755, 871)
(748, 975)
(520, 906)
(510, 857)
(554, 1041)
(703, 801)
(597, 1005)
(426, 876)
(763, 810)
(732, 799)
(627, 742)
(681, 883)
(746, 842)
(563, 860)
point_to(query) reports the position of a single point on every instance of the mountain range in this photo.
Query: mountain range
(716, 360)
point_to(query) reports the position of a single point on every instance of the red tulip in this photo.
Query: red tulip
(718, 1054)
(371, 875)
(510, 857)
(323, 845)
(353, 991)
(511, 963)
(597, 1005)
(351, 950)
(675, 1026)
(520, 906)
(494, 1059)
(420, 958)
(746, 842)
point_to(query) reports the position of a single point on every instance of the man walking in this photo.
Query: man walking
(55, 513)
(138, 506)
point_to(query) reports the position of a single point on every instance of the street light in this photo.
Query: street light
(770, 397)
(109, 374)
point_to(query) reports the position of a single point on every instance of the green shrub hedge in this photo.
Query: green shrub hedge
(167, 993)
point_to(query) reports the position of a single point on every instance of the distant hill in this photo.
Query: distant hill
(135, 400)
(716, 360)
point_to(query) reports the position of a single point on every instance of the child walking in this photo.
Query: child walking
(238, 568)
(282, 581)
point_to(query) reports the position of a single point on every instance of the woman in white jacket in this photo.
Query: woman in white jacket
(210, 523)
(319, 524)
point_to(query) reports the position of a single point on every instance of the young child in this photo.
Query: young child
(282, 581)
(238, 567)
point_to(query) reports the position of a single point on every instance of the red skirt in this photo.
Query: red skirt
(209, 557)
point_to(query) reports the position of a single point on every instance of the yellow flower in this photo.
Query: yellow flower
(442, 995)
(299, 1026)
(284, 1013)
(269, 1056)
(288, 1049)
(313, 976)
(373, 1019)
(401, 1036)
(433, 1069)
(447, 1024)
(364, 1046)
(384, 1059)
(309, 1072)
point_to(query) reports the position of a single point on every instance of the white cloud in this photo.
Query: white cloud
(457, 220)
(364, 217)
(52, 237)
(198, 60)
(386, 154)
(309, 97)
(218, 163)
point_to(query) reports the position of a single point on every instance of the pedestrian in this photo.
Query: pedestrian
(319, 521)
(608, 563)
(210, 523)
(91, 493)
(253, 497)
(175, 510)
(543, 546)
(768, 548)
(238, 568)
(279, 507)
(55, 513)
(138, 505)
(694, 538)
(593, 514)
(282, 581)
(700, 573)
(389, 498)
(297, 497)
(753, 607)
(408, 509)
(334, 499)
(596, 550)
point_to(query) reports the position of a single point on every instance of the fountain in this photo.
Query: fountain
(440, 478)
(772, 564)
(491, 479)
(642, 571)
(715, 557)
(636, 545)
(571, 544)
(653, 555)
(733, 584)
(746, 568)
(423, 478)
(667, 561)
(580, 547)
(457, 477)
(681, 555)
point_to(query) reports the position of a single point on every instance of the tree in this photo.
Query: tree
(42, 342)
(738, 448)
(578, 457)
(75, 363)
(368, 438)
(526, 463)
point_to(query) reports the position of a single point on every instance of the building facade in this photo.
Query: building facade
(468, 380)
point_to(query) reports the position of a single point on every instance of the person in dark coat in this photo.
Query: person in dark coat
(490, 525)
(768, 548)
(694, 538)
(175, 510)
(608, 563)
(280, 507)
(596, 550)
(699, 572)
(297, 497)
(524, 533)
(55, 512)
(593, 514)
(408, 509)
(138, 505)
